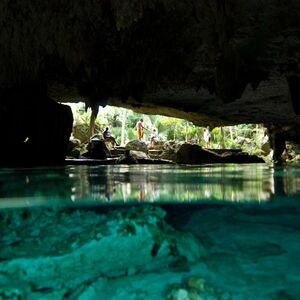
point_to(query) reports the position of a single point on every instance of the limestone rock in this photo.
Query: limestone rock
(240, 157)
(169, 155)
(74, 148)
(97, 149)
(193, 154)
(127, 158)
(266, 148)
(139, 154)
(137, 146)
(189, 154)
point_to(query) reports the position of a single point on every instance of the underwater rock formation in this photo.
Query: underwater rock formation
(148, 252)
(210, 62)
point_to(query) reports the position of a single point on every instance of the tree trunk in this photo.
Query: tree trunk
(93, 120)
(222, 138)
(186, 134)
(123, 131)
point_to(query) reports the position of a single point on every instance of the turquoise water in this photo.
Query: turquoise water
(210, 232)
(100, 185)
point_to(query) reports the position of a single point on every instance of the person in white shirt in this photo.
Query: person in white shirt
(207, 137)
(154, 138)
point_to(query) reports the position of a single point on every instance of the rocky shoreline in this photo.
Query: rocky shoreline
(137, 152)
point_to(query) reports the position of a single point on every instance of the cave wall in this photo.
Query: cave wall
(35, 129)
(210, 61)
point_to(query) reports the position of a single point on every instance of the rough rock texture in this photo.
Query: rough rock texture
(97, 149)
(194, 154)
(137, 145)
(212, 62)
(146, 252)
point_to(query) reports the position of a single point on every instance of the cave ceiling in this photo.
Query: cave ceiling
(211, 62)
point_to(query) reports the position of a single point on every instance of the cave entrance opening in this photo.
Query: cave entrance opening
(250, 138)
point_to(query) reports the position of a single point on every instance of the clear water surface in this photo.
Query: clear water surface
(216, 232)
(108, 185)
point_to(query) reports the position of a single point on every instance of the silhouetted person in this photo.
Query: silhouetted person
(108, 137)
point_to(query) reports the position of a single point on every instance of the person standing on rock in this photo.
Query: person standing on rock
(207, 137)
(140, 129)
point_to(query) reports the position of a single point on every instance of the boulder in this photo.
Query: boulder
(97, 149)
(168, 154)
(74, 153)
(74, 148)
(194, 154)
(266, 148)
(139, 154)
(171, 145)
(127, 159)
(292, 151)
(137, 146)
(158, 145)
(240, 158)
(185, 153)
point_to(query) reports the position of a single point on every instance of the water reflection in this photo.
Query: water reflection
(91, 185)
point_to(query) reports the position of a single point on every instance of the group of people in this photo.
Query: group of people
(154, 136)
(140, 133)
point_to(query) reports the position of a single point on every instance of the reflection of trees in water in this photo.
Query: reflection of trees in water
(286, 181)
(81, 187)
(145, 183)
(224, 182)
(278, 183)
(291, 185)
(93, 184)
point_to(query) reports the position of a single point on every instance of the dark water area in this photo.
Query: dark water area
(150, 232)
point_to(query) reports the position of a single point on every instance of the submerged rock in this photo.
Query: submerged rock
(105, 246)
(215, 252)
